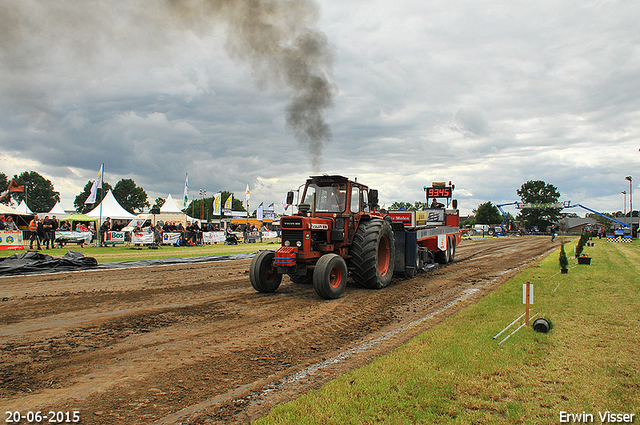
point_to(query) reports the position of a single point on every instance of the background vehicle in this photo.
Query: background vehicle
(337, 232)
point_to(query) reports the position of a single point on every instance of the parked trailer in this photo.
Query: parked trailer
(337, 232)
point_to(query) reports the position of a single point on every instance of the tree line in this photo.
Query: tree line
(40, 196)
(531, 192)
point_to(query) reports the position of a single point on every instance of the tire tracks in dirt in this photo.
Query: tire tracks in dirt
(140, 345)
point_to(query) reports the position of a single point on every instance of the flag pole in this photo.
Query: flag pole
(101, 197)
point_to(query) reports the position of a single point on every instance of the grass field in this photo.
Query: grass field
(456, 373)
(131, 253)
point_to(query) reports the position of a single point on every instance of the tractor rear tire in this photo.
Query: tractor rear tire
(264, 278)
(373, 254)
(330, 276)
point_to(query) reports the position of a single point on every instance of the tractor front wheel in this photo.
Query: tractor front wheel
(330, 276)
(264, 278)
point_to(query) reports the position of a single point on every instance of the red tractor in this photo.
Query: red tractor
(337, 232)
(334, 232)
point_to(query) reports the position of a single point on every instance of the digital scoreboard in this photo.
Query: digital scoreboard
(438, 192)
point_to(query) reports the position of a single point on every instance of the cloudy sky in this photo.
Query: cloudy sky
(399, 94)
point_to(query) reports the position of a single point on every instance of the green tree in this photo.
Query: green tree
(487, 213)
(4, 183)
(131, 197)
(39, 192)
(195, 209)
(78, 202)
(538, 192)
(159, 202)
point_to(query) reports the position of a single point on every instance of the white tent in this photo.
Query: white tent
(57, 211)
(23, 208)
(8, 210)
(170, 206)
(110, 208)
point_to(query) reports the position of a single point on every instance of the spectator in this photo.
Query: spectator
(49, 239)
(37, 232)
(106, 227)
(9, 224)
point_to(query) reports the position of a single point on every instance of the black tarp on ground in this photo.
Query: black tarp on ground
(183, 260)
(32, 262)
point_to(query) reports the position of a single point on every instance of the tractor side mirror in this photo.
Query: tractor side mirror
(290, 198)
(373, 197)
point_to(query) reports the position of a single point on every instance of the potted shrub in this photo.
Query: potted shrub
(584, 237)
(583, 259)
(564, 262)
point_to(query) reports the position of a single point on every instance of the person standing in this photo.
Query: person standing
(54, 227)
(47, 226)
(106, 227)
(37, 232)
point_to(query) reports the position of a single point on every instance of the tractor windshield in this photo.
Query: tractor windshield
(329, 198)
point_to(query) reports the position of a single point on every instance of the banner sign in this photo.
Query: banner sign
(213, 237)
(217, 203)
(268, 215)
(238, 214)
(114, 237)
(430, 217)
(10, 240)
(71, 236)
(565, 204)
(269, 235)
(171, 238)
(142, 238)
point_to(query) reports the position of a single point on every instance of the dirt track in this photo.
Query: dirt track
(196, 344)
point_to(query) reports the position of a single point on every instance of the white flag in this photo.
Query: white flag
(92, 196)
(260, 212)
(247, 194)
(97, 184)
(99, 178)
(284, 202)
(186, 191)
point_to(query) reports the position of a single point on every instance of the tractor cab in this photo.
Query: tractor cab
(333, 196)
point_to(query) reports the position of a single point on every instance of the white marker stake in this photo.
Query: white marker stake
(527, 299)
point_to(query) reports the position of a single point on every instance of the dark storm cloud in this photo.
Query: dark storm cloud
(41, 42)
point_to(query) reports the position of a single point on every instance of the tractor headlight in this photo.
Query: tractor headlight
(287, 243)
(299, 244)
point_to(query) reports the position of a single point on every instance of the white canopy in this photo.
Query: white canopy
(57, 211)
(110, 208)
(8, 210)
(170, 206)
(23, 208)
